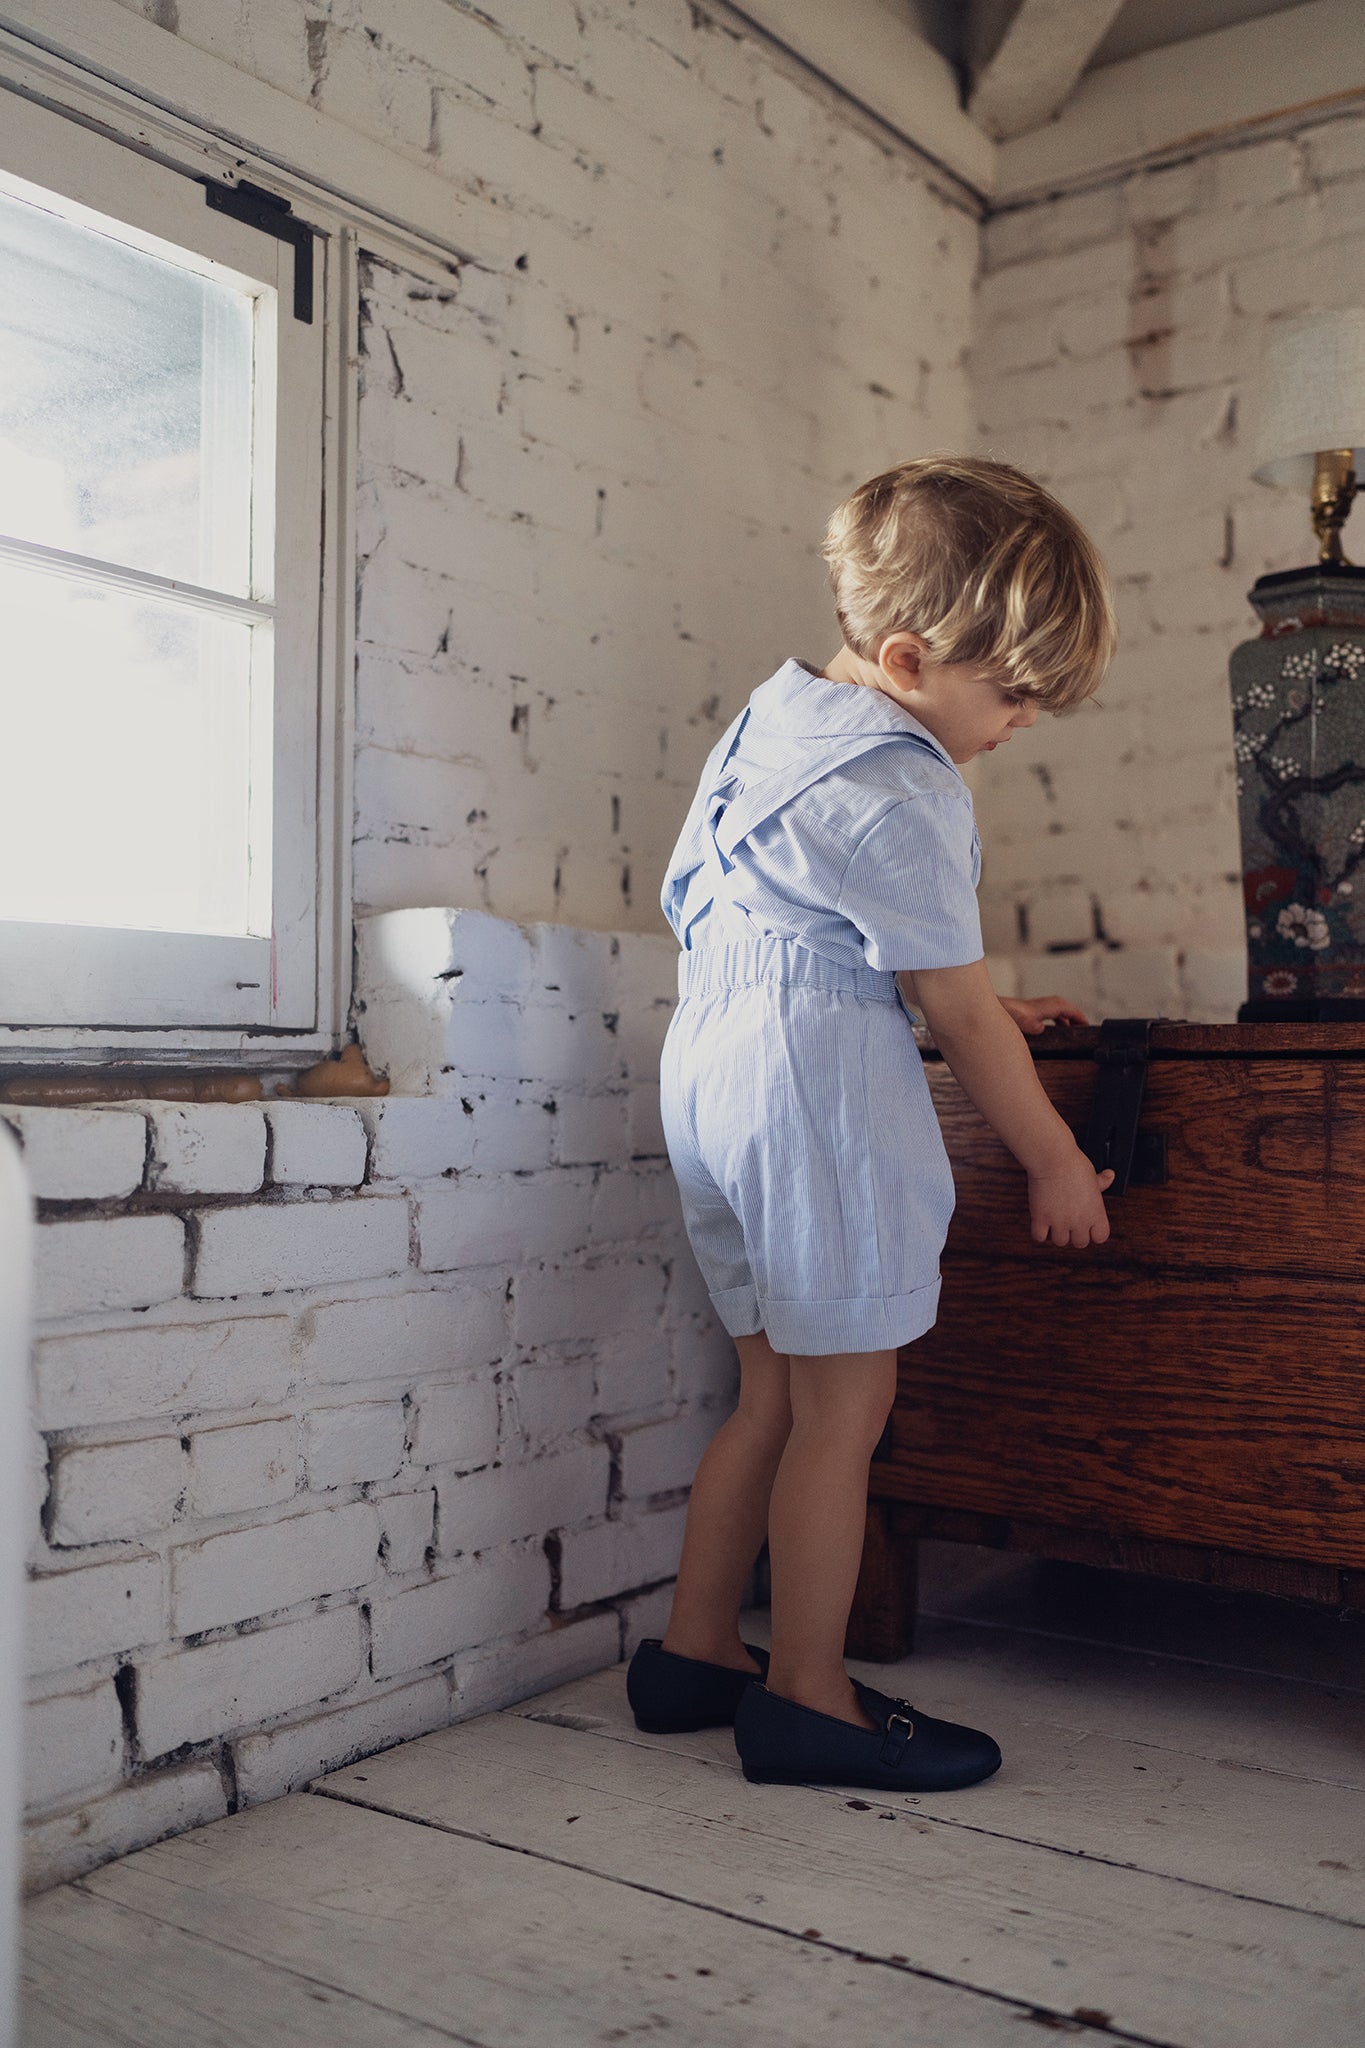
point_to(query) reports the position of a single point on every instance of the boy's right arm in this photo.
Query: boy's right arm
(988, 1056)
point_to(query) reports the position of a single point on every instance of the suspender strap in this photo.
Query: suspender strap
(754, 805)
(725, 810)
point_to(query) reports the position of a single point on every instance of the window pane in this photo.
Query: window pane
(125, 402)
(129, 777)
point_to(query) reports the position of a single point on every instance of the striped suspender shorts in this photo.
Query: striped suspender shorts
(815, 1187)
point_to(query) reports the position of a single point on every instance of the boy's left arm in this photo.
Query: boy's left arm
(996, 1072)
(1032, 1014)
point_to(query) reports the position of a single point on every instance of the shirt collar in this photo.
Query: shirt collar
(806, 706)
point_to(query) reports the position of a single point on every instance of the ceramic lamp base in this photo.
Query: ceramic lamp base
(1298, 701)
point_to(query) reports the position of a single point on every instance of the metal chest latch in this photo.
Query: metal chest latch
(1112, 1138)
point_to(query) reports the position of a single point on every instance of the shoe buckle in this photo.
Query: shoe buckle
(899, 1729)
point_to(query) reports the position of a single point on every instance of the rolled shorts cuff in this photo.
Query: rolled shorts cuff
(739, 1311)
(817, 1329)
(814, 1329)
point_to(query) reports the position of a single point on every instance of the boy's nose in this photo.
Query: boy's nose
(1027, 714)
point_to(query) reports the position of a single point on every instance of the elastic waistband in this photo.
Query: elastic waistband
(736, 963)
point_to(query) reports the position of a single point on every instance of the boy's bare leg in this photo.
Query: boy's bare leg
(816, 1521)
(727, 1514)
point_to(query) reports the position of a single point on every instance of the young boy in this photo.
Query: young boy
(832, 846)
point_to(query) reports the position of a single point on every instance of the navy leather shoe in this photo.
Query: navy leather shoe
(672, 1695)
(780, 1742)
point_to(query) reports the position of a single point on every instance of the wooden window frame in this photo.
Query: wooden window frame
(85, 995)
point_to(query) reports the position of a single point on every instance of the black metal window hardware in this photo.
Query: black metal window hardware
(272, 215)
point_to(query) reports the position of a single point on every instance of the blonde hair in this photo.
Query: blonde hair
(984, 565)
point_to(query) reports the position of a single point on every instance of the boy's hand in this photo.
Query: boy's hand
(989, 1059)
(1034, 1013)
(1067, 1203)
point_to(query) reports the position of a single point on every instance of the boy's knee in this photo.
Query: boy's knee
(873, 1423)
(771, 1420)
(850, 1407)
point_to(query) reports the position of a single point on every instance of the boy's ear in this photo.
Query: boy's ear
(902, 658)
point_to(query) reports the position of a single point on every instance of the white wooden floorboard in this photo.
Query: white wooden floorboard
(1164, 1960)
(509, 1950)
(95, 1973)
(1284, 1840)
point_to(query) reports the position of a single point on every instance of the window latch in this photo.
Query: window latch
(272, 215)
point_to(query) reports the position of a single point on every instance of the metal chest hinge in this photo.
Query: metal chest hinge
(1112, 1138)
(271, 215)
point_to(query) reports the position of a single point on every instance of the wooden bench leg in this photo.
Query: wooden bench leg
(881, 1625)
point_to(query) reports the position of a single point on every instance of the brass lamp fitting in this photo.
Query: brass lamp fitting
(1334, 486)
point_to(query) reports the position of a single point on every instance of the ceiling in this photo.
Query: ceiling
(969, 32)
(1019, 98)
(1153, 24)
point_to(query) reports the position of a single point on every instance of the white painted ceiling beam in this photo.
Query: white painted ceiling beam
(1303, 60)
(871, 51)
(1038, 62)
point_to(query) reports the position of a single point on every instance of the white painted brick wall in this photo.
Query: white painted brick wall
(242, 1466)
(225, 1433)
(501, 1221)
(399, 1336)
(316, 1144)
(479, 1599)
(617, 1556)
(359, 1443)
(62, 1845)
(415, 1138)
(557, 1304)
(190, 1694)
(175, 1368)
(501, 1502)
(591, 1128)
(637, 439)
(249, 1572)
(103, 1491)
(624, 1202)
(455, 1423)
(284, 1759)
(73, 1743)
(117, 1262)
(206, 1148)
(660, 1457)
(258, 1249)
(407, 1521)
(80, 1155)
(552, 1398)
(644, 1615)
(508, 1671)
(95, 1611)
(631, 1369)
(513, 1126)
(1118, 340)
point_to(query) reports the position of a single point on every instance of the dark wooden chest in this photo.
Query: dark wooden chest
(1188, 1399)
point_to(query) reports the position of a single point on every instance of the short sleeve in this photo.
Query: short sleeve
(910, 888)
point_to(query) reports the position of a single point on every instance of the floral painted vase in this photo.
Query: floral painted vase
(1298, 704)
